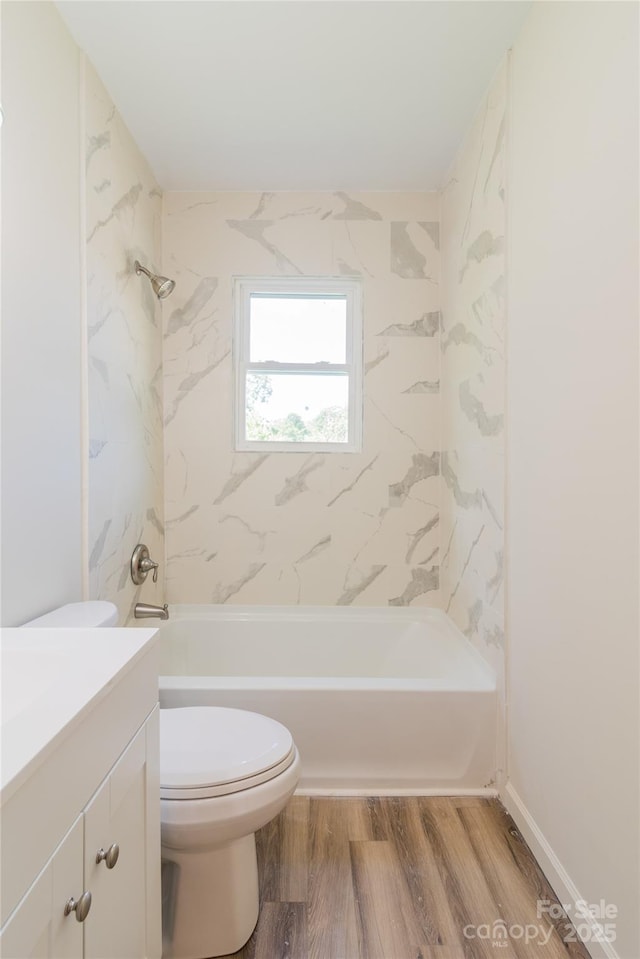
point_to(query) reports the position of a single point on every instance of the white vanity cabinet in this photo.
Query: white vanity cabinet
(38, 927)
(116, 817)
(85, 818)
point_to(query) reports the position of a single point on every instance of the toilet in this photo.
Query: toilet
(224, 773)
(93, 613)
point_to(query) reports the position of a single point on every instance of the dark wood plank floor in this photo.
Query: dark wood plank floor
(401, 878)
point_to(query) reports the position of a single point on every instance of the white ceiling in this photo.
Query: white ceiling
(296, 94)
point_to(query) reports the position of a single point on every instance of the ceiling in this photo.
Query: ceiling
(296, 94)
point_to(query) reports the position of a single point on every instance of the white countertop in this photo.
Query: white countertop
(50, 679)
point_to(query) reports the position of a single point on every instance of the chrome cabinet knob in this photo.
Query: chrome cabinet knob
(81, 906)
(110, 857)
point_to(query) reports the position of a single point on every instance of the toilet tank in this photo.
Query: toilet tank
(91, 613)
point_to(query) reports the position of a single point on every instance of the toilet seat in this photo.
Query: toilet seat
(208, 751)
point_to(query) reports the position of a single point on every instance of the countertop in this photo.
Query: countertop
(50, 680)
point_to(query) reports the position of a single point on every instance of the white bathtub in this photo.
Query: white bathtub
(379, 701)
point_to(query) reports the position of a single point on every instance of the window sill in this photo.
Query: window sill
(277, 447)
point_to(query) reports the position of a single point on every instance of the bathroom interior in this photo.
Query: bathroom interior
(436, 623)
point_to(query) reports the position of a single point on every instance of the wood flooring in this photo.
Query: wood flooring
(402, 878)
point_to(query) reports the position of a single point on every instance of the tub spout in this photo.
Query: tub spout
(146, 611)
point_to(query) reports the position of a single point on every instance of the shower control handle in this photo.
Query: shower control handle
(142, 565)
(146, 565)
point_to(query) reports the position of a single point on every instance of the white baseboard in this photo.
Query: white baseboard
(560, 880)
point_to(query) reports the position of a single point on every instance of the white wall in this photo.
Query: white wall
(41, 360)
(572, 506)
(60, 124)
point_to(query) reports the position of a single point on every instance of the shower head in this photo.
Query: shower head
(161, 285)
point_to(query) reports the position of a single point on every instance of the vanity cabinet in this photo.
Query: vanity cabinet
(88, 821)
(38, 927)
(115, 927)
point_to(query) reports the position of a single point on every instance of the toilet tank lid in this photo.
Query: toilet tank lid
(92, 613)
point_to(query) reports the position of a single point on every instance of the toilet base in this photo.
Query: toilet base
(209, 899)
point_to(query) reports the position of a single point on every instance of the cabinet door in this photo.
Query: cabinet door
(116, 928)
(39, 929)
(153, 906)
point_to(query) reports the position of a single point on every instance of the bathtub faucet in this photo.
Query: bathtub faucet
(146, 611)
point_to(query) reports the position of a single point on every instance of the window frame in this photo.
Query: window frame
(351, 288)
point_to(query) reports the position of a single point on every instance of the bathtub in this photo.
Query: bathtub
(388, 701)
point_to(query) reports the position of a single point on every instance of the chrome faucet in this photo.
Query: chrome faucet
(146, 611)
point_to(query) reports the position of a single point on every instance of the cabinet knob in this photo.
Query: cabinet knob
(110, 857)
(81, 907)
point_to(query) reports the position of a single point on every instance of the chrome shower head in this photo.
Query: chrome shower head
(161, 285)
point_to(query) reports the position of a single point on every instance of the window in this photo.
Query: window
(298, 364)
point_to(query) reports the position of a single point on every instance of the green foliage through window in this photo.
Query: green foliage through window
(330, 425)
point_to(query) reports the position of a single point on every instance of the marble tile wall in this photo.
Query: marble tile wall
(299, 528)
(473, 379)
(123, 221)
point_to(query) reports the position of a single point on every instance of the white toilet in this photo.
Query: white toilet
(95, 612)
(224, 773)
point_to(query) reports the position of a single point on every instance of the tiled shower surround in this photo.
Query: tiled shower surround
(303, 528)
(473, 378)
(124, 364)
(413, 518)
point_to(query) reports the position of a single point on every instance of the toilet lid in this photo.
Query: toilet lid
(212, 751)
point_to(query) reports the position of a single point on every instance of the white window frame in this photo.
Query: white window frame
(351, 288)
